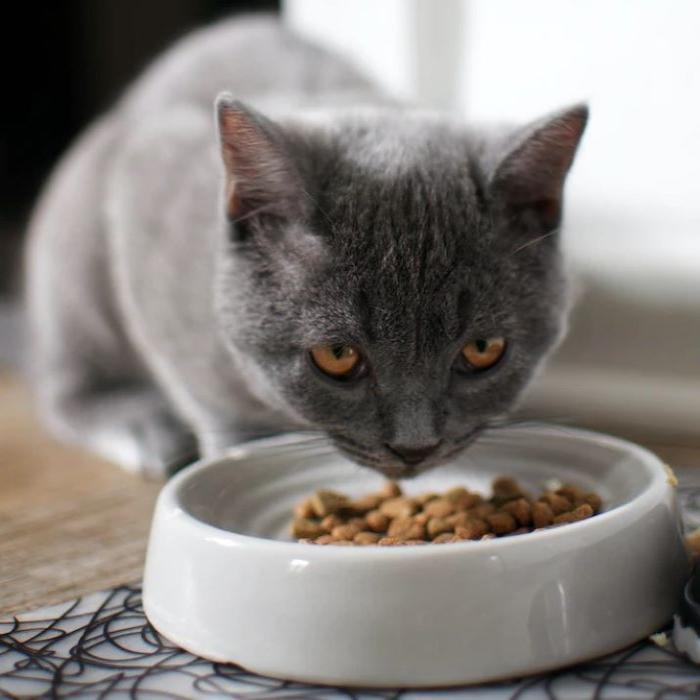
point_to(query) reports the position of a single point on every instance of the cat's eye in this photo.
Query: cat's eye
(337, 361)
(482, 353)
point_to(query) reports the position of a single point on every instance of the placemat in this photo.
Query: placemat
(101, 646)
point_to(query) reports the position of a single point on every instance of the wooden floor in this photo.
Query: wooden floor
(70, 523)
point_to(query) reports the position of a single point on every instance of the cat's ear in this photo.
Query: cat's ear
(529, 179)
(260, 175)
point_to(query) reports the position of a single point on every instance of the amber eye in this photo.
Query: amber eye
(335, 360)
(484, 352)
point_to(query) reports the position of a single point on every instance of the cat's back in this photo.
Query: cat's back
(252, 56)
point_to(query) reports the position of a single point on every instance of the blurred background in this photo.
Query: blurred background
(631, 363)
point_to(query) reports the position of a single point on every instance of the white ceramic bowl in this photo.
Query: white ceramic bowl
(224, 581)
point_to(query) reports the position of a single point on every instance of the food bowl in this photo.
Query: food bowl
(224, 580)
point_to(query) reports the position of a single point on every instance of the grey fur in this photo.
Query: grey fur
(161, 326)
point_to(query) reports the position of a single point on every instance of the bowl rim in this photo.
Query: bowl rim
(170, 499)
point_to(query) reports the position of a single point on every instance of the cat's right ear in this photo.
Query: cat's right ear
(259, 174)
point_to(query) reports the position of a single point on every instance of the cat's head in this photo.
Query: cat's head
(392, 279)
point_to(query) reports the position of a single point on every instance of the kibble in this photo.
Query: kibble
(520, 509)
(542, 515)
(473, 529)
(366, 503)
(406, 528)
(389, 517)
(366, 537)
(306, 528)
(439, 508)
(501, 523)
(558, 504)
(347, 531)
(377, 521)
(331, 521)
(304, 509)
(436, 526)
(579, 513)
(325, 503)
(398, 507)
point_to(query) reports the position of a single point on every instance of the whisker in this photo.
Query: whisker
(535, 241)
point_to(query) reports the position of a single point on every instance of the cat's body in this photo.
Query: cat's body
(160, 326)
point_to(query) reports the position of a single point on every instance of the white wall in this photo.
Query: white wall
(636, 61)
(376, 35)
(407, 46)
(638, 64)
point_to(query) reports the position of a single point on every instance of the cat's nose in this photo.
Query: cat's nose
(413, 454)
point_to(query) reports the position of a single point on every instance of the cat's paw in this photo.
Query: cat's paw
(155, 447)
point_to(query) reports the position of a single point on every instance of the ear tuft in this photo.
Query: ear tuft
(531, 176)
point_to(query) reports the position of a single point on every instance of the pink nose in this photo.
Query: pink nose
(413, 454)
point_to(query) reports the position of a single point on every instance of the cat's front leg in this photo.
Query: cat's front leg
(133, 427)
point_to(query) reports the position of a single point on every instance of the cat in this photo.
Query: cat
(257, 239)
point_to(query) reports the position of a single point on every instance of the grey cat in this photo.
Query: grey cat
(316, 257)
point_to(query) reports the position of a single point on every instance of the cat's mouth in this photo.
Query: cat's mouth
(391, 466)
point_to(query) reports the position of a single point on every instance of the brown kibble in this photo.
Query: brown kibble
(557, 503)
(406, 529)
(571, 492)
(326, 502)
(358, 521)
(462, 499)
(398, 507)
(446, 537)
(425, 497)
(306, 528)
(473, 529)
(542, 515)
(520, 509)
(501, 523)
(347, 531)
(593, 500)
(377, 521)
(389, 518)
(325, 539)
(421, 518)
(390, 490)
(460, 518)
(579, 513)
(455, 493)
(365, 503)
(482, 510)
(304, 509)
(505, 489)
(366, 537)
(437, 526)
(439, 508)
(387, 541)
(330, 521)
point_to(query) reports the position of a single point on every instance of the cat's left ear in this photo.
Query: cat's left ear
(260, 174)
(528, 182)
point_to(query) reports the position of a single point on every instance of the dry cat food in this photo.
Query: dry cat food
(389, 517)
